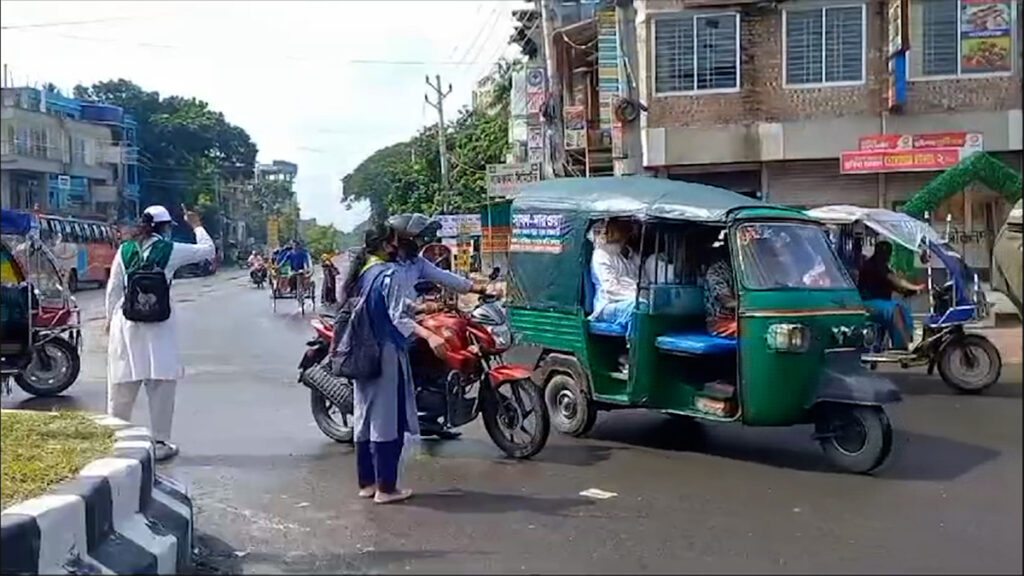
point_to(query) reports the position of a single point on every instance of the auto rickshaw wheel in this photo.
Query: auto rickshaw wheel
(970, 364)
(570, 406)
(54, 376)
(855, 438)
(72, 281)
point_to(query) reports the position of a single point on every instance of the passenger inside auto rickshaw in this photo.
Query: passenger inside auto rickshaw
(876, 282)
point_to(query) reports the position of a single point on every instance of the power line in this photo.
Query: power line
(66, 23)
(355, 61)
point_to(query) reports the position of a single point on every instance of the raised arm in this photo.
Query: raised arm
(203, 249)
(447, 279)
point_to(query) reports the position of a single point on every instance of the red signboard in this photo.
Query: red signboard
(873, 161)
(920, 141)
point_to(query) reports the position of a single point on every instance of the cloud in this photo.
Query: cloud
(308, 80)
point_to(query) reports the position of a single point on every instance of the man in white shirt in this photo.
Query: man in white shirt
(615, 270)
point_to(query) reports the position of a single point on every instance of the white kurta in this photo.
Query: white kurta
(148, 350)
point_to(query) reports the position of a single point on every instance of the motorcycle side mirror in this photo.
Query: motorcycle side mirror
(495, 273)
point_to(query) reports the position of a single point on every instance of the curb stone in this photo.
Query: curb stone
(116, 517)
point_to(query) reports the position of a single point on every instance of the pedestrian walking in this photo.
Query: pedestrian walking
(384, 407)
(329, 297)
(142, 349)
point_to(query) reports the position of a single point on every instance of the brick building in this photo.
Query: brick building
(765, 97)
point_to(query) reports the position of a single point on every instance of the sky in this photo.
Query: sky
(322, 83)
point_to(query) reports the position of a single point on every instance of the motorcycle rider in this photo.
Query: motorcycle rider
(411, 232)
(257, 267)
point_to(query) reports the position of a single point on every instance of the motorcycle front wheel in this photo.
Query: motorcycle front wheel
(516, 418)
(335, 424)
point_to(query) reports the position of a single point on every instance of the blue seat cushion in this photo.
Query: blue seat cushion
(696, 343)
(607, 329)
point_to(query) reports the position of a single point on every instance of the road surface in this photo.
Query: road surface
(273, 495)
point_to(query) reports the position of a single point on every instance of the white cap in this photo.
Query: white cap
(159, 214)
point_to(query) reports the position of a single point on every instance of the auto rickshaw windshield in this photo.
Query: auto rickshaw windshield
(788, 255)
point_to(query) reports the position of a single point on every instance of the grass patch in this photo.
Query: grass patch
(41, 449)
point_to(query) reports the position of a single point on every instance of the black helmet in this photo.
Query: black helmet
(414, 226)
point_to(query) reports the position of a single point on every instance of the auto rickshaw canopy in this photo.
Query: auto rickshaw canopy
(548, 250)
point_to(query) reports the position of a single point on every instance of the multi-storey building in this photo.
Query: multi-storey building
(66, 156)
(775, 98)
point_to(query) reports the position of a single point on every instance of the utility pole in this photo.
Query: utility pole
(631, 161)
(554, 147)
(440, 95)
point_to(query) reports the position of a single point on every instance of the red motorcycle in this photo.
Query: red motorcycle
(472, 379)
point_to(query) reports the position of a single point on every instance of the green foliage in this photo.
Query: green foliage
(979, 167)
(322, 240)
(184, 145)
(406, 177)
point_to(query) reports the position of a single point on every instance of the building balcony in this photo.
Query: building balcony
(20, 155)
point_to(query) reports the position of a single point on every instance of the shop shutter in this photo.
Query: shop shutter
(819, 183)
(901, 186)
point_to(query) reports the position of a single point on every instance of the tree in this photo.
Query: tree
(321, 240)
(405, 177)
(184, 146)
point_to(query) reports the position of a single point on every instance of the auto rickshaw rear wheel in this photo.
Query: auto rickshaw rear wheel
(54, 374)
(572, 410)
(970, 364)
(857, 439)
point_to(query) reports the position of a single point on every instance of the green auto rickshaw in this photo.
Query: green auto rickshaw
(800, 321)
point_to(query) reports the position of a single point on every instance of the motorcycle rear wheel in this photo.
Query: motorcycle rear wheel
(507, 409)
(329, 419)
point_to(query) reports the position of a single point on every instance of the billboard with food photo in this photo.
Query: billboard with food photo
(986, 36)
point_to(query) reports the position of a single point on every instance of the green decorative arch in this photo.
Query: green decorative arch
(978, 167)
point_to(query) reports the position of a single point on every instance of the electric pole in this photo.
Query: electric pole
(631, 161)
(554, 145)
(440, 95)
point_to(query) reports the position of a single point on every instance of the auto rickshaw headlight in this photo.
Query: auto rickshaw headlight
(788, 338)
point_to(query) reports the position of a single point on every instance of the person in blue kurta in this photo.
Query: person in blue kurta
(384, 408)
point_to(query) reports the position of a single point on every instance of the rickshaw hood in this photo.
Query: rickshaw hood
(898, 227)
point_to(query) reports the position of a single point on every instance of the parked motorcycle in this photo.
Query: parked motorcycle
(472, 379)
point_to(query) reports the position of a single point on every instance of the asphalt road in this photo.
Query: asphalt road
(275, 496)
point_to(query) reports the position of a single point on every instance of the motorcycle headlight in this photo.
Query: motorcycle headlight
(502, 335)
(788, 338)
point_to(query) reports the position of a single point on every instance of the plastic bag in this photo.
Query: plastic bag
(411, 450)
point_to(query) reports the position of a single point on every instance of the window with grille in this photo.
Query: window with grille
(696, 53)
(825, 45)
(959, 38)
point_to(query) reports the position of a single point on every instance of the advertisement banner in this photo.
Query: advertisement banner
(575, 127)
(972, 140)
(273, 228)
(874, 161)
(453, 225)
(986, 36)
(505, 179)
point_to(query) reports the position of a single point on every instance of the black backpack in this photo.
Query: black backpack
(147, 294)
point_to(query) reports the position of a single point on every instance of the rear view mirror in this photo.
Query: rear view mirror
(495, 273)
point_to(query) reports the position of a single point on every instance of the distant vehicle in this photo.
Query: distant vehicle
(83, 248)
